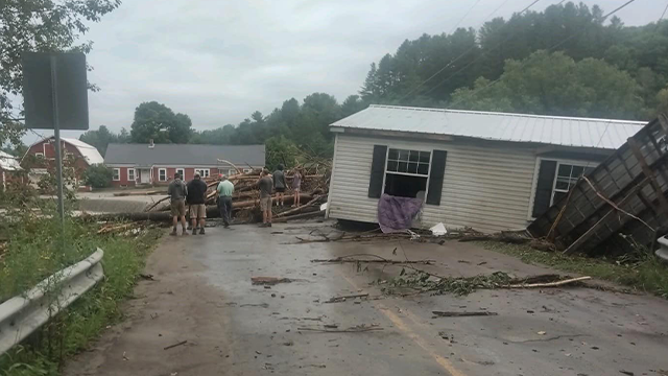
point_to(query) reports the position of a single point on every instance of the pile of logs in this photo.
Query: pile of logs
(246, 199)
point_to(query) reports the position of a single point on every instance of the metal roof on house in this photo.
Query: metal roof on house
(9, 162)
(554, 130)
(184, 154)
(89, 152)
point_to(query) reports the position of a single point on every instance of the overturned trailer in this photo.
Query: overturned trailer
(618, 205)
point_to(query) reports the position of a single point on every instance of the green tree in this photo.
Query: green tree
(100, 138)
(280, 150)
(157, 122)
(44, 26)
(555, 84)
(98, 176)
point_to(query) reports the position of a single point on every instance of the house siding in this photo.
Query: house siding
(485, 187)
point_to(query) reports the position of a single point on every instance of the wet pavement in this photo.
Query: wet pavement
(203, 294)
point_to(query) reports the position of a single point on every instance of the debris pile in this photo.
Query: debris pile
(438, 285)
(246, 198)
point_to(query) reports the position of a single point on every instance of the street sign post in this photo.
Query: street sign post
(55, 93)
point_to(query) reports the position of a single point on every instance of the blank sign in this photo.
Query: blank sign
(71, 90)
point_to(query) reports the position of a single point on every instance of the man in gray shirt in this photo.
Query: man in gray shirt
(177, 192)
(265, 184)
(280, 185)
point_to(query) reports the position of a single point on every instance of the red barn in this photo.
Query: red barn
(84, 155)
(135, 164)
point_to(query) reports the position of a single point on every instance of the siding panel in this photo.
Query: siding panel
(486, 188)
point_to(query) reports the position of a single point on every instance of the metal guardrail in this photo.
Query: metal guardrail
(22, 315)
(662, 252)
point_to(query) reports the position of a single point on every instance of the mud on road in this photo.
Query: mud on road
(202, 294)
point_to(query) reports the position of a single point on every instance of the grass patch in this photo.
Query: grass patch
(643, 272)
(33, 254)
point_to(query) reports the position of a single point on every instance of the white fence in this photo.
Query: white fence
(22, 315)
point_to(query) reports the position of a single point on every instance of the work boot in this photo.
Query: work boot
(184, 233)
(201, 231)
(194, 230)
(269, 224)
(173, 233)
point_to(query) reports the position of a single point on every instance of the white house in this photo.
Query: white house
(488, 171)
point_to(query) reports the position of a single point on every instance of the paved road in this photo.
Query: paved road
(203, 294)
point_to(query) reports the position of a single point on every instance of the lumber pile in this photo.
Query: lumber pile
(246, 198)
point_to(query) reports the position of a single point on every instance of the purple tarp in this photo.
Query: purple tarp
(396, 213)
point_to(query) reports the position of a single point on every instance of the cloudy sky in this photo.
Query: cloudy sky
(218, 61)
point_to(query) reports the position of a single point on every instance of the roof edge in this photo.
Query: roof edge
(471, 112)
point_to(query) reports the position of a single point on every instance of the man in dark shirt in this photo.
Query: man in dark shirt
(280, 185)
(197, 201)
(177, 192)
(265, 184)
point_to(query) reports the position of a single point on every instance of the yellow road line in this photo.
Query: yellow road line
(401, 325)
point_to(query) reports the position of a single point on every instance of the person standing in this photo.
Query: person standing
(177, 192)
(297, 187)
(280, 185)
(197, 200)
(225, 190)
(265, 184)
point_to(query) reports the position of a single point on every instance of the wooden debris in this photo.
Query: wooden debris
(270, 281)
(176, 345)
(546, 285)
(463, 314)
(378, 259)
(339, 299)
(354, 329)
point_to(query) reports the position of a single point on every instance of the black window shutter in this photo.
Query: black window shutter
(377, 171)
(436, 177)
(541, 201)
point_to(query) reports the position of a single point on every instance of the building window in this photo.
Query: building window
(231, 172)
(117, 174)
(407, 172)
(566, 177)
(131, 174)
(203, 172)
(247, 170)
(39, 155)
(181, 172)
(162, 174)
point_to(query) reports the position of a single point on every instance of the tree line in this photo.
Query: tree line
(567, 60)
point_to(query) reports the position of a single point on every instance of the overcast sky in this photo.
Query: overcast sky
(218, 61)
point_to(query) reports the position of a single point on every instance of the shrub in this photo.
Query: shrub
(98, 176)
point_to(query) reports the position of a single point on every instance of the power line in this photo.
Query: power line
(662, 15)
(460, 56)
(463, 18)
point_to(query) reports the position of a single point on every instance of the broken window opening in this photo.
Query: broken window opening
(407, 172)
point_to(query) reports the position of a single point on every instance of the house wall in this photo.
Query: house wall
(487, 186)
(49, 151)
(123, 181)
(189, 174)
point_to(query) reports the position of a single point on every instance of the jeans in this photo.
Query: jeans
(225, 207)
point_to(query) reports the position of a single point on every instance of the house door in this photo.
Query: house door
(145, 176)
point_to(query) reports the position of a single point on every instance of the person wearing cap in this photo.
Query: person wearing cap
(225, 190)
(197, 201)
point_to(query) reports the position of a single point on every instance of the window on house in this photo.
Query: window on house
(181, 172)
(231, 171)
(247, 170)
(566, 177)
(117, 174)
(203, 172)
(162, 174)
(39, 155)
(407, 172)
(131, 174)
